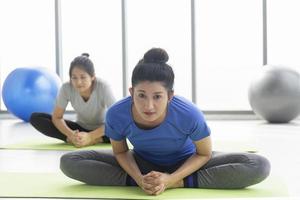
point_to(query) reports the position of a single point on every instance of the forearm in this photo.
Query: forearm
(192, 164)
(128, 163)
(61, 125)
(97, 134)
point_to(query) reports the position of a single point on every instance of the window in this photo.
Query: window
(164, 24)
(94, 27)
(26, 36)
(283, 33)
(229, 52)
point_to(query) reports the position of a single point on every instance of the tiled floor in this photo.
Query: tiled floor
(278, 142)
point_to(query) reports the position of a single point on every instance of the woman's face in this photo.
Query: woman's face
(81, 80)
(150, 100)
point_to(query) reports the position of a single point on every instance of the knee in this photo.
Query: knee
(67, 163)
(33, 117)
(263, 167)
(36, 116)
(258, 169)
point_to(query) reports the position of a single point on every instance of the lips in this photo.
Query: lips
(149, 113)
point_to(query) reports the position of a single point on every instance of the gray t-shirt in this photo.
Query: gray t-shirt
(91, 113)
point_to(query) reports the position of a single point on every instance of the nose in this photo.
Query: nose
(78, 81)
(149, 104)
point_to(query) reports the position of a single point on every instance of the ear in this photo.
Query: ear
(170, 95)
(131, 91)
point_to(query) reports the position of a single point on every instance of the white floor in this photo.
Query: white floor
(280, 143)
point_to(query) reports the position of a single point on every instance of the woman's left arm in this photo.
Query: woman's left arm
(97, 134)
(196, 161)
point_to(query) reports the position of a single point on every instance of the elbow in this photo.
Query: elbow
(55, 118)
(120, 156)
(205, 156)
(209, 154)
(119, 153)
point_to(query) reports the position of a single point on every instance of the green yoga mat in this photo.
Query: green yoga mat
(56, 185)
(49, 144)
(54, 144)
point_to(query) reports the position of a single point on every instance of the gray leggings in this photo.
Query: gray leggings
(222, 171)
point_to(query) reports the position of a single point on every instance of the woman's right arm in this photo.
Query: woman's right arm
(128, 163)
(59, 122)
(126, 160)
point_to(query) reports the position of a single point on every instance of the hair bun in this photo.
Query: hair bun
(156, 55)
(85, 54)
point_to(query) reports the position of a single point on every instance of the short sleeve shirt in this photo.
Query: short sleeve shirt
(166, 144)
(90, 114)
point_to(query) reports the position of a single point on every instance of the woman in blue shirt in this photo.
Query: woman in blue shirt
(170, 138)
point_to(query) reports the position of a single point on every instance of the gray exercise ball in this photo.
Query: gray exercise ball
(275, 94)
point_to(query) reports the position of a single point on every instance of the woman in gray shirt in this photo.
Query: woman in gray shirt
(89, 96)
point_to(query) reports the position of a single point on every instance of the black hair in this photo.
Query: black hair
(83, 62)
(154, 67)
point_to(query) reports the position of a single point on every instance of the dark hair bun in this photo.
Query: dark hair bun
(85, 54)
(156, 55)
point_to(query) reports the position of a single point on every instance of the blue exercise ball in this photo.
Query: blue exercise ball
(28, 90)
(274, 94)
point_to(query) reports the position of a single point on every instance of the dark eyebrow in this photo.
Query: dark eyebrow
(154, 92)
(158, 92)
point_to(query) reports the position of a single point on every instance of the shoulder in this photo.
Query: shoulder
(66, 88)
(66, 85)
(101, 82)
(101, 85)
(184, 106)
(118, 119)
(65, 95)
(119, 112)
(184, 112)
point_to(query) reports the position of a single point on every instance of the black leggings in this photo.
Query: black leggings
(43, 123)
(222, 171)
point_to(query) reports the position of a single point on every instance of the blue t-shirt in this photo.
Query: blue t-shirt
(166, 144)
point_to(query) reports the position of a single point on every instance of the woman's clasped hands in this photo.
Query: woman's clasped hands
(80, 139)
(155, 183)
